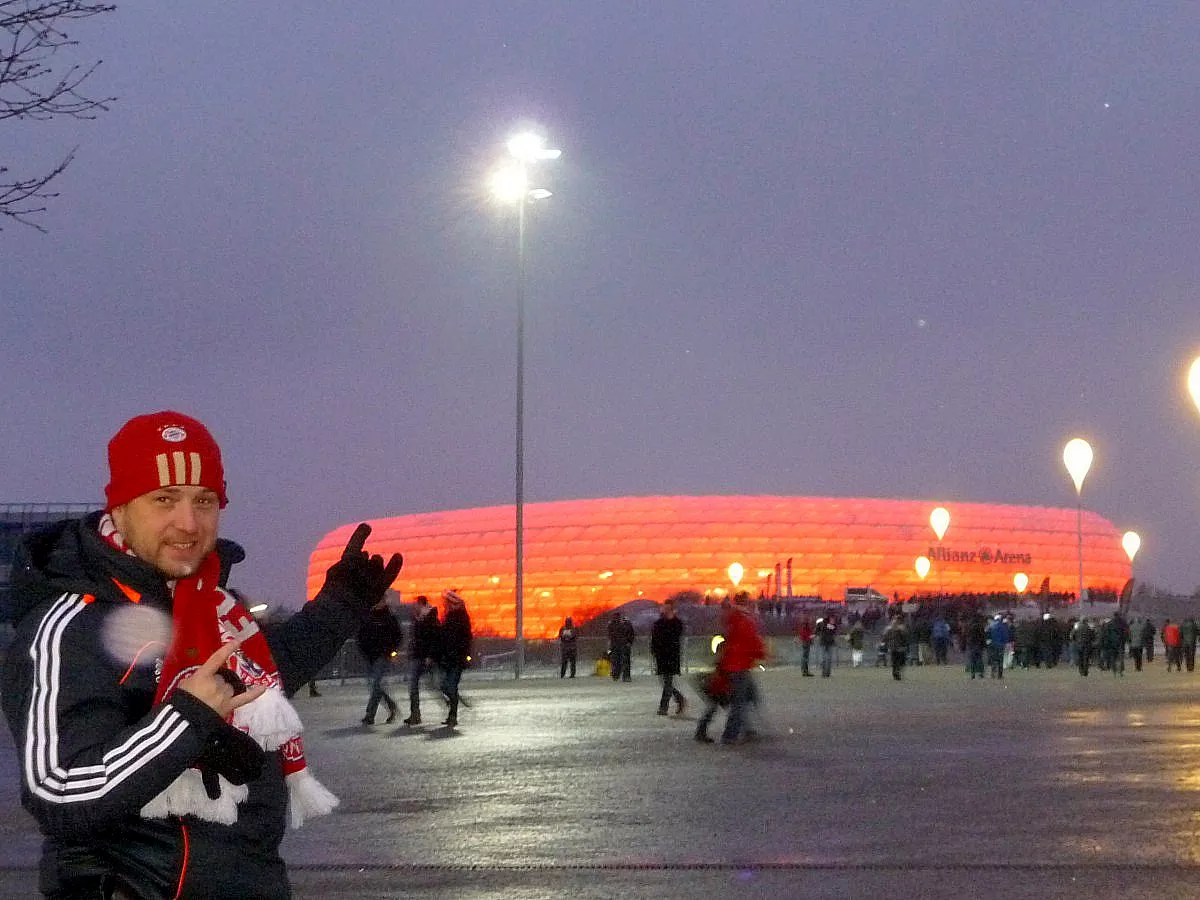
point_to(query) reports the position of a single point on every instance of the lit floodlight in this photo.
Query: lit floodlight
(530, 147)
(922, 566)
(1194, 382)
(939, 520)
(257, 608)
(1077, 456)
(510, 184)
(717, 641)
(1131, 542)
(540, 194)
(1020, 582)
(736, 571)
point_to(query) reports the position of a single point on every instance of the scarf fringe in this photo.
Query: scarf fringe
(307, 798)
(185, 796)
(271, 719)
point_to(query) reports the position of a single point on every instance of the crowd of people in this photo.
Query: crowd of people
(438, 652)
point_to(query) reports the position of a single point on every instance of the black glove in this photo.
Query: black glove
(233, 754)
(362, 578)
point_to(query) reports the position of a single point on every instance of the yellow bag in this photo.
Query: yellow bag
(603, 668)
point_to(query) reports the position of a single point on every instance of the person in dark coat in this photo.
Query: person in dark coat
(378, 639)
(568, 641)
(620, 646)
(666, 640)
(423, 653)
(456, 651)
(975, 641)
(1147, 640)
(896, 636)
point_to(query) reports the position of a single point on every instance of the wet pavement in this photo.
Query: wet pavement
(1044, 784)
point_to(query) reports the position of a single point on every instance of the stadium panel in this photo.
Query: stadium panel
(586, 556)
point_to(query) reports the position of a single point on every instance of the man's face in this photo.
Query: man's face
(172, 529)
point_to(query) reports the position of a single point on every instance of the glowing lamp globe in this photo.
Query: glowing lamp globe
(736, 571)
(939, 521)
(922, 567)
(1131, 541)
(1077, 457)
(1020, 582)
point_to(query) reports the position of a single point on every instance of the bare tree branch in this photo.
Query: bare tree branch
(31, 33)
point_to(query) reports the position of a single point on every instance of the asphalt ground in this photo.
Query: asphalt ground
(1044, 784)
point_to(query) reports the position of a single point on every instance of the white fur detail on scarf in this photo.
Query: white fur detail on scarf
(271, 719)
(185, 796)
(307, 798)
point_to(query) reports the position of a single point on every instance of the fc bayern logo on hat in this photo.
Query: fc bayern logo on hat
(174, 434)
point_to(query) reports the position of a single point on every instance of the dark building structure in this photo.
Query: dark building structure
(18, 519)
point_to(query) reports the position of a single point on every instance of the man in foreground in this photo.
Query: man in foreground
(160, 755)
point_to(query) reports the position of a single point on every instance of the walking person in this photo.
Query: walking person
(856, 639)
(1171, 645)
(568, 639)
(975, 644)
(940, 635)
(896, 637)
(424, 648)
(1082, 638)
(998, 636)
(378, 640)
(456, 651)
(805, 632)
(1147, 639)
(666, 641)
(1188, 633)
(827, 638)
(1135, 644)
(736, 656)
(620, 646)
(161, 756)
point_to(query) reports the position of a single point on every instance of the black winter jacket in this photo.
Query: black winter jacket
(665, 637)
(78, 694)
(380, 635)
(456, 639)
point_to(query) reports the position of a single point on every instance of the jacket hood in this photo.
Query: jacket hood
(70, 555)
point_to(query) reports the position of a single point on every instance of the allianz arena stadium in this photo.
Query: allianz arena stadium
(583, 557)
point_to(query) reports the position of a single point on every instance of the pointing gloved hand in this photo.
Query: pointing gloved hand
(363, 577)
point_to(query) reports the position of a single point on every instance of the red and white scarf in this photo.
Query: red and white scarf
(205, 616)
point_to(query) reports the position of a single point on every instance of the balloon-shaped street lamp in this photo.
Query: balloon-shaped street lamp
(736, 571)
(1131, 543)
(1020, 582)
(922, 567)
(939, 521)
(1077, 457)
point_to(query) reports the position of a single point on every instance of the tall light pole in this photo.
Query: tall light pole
(1077, 457)
(1193, 382)
(511, 184)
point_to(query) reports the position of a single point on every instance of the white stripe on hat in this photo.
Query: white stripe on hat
(180, 467)
(195, 460)
(164, 470)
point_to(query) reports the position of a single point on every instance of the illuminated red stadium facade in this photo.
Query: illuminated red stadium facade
(586, 556)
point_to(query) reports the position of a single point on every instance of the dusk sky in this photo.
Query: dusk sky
(835, 249)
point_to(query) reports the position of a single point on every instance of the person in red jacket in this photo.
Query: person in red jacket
(805, 632)
(736, 657)
(1172, 645)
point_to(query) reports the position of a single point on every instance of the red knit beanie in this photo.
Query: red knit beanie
(160, 450)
